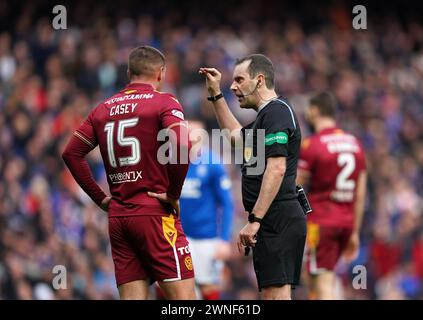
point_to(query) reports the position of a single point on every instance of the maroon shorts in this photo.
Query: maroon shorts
(149, 247)
(325, 246)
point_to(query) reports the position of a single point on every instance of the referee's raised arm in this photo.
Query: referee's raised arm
(276, 227)
(224, 116)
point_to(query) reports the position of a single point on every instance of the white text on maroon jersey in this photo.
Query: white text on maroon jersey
(123, 108)
(121, 177)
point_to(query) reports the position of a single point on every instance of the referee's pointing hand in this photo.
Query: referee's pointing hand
(213, 77)
(247, 235)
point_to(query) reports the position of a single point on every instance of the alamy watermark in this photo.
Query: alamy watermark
(60, 280)
(360, 19)
(60, 20)
(359, 281)
(248, 150)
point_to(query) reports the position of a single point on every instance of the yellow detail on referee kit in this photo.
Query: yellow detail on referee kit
(169, 229)
(248, 152)
(188, 263)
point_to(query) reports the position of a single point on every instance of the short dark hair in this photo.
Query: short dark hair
(260, 64)
(144, 61)
(325, 103)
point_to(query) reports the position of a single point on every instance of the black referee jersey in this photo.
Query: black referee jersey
(281, 137)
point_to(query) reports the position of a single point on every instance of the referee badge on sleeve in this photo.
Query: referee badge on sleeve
(248, 152)
(249, 143)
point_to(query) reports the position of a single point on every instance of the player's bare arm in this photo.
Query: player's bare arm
(359, 202)
(224, 116)
(272, 180)
(351, 251)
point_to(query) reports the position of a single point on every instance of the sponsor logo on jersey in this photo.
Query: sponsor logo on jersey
(178, 114)
(278, 137)
(183, 250)
(122, 177)
(129, 97)
(191, 188)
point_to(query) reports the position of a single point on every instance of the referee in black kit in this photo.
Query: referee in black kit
(276, 228)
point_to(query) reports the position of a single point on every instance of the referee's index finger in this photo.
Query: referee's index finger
(209, 70)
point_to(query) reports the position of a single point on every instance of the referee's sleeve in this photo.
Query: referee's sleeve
(279, 124)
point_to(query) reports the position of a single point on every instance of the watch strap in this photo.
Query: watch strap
(216, 97)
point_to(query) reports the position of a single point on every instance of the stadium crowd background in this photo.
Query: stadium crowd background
(49, 80)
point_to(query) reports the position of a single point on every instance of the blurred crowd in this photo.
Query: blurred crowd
(50, 80)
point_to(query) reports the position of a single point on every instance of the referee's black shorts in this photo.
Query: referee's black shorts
(278, 253)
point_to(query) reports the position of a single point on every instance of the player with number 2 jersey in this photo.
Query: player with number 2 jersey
(332, 164)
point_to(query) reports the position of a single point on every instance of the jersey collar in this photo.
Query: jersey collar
(329, 130)
(262, 106)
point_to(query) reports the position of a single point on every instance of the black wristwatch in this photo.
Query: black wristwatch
(253, 218)
(215, 98)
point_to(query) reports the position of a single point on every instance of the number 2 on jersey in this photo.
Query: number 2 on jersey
(123, 141)
(347, 162)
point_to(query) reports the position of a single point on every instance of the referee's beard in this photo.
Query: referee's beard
(248, 99)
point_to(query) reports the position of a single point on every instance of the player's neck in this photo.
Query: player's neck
(265, 97)
(324, 123)
(144, 81)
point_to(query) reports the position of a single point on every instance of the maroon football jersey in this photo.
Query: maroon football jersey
(334, 160)
(125, 127)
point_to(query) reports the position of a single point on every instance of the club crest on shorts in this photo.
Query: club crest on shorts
(188, 263)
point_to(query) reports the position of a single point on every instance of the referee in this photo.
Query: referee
(276, 228)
